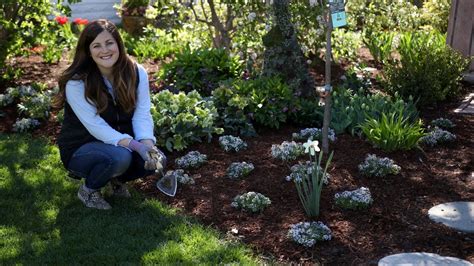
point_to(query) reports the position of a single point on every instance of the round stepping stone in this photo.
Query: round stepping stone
(421, 258)
(458, 215)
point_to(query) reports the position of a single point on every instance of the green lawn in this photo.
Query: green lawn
(43, 222)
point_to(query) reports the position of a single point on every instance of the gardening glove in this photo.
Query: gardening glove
(144, 151)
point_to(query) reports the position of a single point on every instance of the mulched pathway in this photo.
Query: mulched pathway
(396, 222)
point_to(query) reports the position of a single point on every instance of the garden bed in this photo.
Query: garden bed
(396, 222)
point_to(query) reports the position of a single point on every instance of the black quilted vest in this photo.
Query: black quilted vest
(73, 133)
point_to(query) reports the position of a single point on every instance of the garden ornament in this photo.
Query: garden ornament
(168, 183)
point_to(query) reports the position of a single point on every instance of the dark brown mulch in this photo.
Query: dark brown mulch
(397, 221)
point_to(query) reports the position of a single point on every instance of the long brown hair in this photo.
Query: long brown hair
(84, 68)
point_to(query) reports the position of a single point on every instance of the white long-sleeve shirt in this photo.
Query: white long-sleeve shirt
(142, 121)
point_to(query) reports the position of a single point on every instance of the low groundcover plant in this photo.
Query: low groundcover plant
(25, 124)
(287, 151)
(380, 167)
(193, 159)
(308, 233)
(251, 201)
(239, 170)
(231, 143)
(438, 136)
(443, 123)
(313, 134)
(182, 177)
(355, 199)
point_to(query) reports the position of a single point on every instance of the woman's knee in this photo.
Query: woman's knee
(120, 161)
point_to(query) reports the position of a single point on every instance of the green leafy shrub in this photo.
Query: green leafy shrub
(153, 44)
(181, 119)
(232, 111)
(307, 112)
(251, 201)
(378, 167)
(435, 14)
(351, 108)
(428, 69)
(393, 132)
(200, 70)
(380, 45)
(345, 44)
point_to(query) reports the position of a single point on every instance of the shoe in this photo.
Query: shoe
(119, 189)
(93, 199)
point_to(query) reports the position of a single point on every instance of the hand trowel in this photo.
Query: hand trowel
(168, 183)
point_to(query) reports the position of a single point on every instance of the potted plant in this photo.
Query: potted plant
(133, 13)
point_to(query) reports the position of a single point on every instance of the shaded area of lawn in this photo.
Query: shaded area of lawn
(42, 221)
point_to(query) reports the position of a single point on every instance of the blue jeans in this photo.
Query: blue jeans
(98, 162)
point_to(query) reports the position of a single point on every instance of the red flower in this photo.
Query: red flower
(61, 20)
(81, 21)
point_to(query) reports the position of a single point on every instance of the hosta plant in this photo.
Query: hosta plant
(231, 143)
(355, 199)
(251, 201)
(438, 136)
(313, 134)
(378, 167)
(287, 151)
(443, 123)
(239, 170)
(192, 159)
(181, 176)
(308, 233)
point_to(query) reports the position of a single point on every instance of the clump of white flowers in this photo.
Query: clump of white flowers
(308, 233)
(438, 136)
(443, 123)
(182, 177)
(375, 166)
(287, 151)
(25, 124)
(192, 159)
(231, 143)
(251, 201)
(355, 199)
(303, 171)
(6, 99)
(313, 134)
(239, 170)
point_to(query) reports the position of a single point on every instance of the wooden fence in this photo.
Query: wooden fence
(461, 28)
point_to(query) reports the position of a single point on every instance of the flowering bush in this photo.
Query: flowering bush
(239, 170)
(308, 233)
(251, 201)
(355, 199)
(303, 171)
(25, 124)
(287, 151)
(374, 166)
(438, 136)
(193, 159)
(231, 143)
(443, 123)
(182, 177)
(313, 134)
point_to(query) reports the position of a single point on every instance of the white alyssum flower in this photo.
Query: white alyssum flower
(303, 171)
(287, 151)
(238, 170)
(5, 99)
(355, 199)
(25, 124)
(181, 176)
(231, 143)
(379, 167)
(314, 134)
(308, 233)
(438, 136)
(192, 159)
(251, 201)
